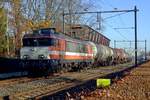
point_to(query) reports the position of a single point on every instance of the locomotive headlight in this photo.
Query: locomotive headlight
(25, 57)
(41, 56)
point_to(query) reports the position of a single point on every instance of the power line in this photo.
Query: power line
(109, 4)
(115, 15)
(117, 31)
(120, 18)
(92, 2)
(89, 19)
(121, 34)
(125, 28)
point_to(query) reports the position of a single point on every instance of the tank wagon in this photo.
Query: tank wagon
(60, 52)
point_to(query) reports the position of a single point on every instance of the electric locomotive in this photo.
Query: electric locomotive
(61, 51)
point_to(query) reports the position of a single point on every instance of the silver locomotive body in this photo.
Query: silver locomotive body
(34, 53)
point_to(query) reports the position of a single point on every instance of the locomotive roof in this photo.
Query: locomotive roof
(55, 35)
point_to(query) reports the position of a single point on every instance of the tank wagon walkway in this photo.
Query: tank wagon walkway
(135, 86)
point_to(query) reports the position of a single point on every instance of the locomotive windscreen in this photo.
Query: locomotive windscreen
(38, 42)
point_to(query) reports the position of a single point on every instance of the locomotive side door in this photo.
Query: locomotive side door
(62, 49)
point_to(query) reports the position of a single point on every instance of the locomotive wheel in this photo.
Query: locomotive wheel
(66, 69)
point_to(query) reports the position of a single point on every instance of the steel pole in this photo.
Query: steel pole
(145, 51)
(135, 22)
(63, 23)
(114, 43)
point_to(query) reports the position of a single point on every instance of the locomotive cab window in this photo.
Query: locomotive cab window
(46, 42)
(38, 42)
(29, 42)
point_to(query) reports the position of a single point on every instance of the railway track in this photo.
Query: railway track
(39, 88)
(88, 85)
(11, 82)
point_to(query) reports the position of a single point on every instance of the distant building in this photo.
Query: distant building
(84, 32)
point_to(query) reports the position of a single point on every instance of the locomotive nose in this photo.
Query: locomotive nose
(34, 53)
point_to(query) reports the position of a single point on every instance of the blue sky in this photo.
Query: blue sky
(125, 20)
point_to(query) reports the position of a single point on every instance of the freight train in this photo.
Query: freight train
(63, 53)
